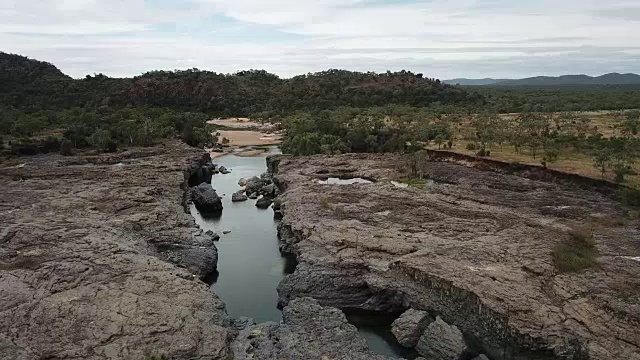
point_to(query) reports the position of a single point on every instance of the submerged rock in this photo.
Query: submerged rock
(307, 331)
(214, 236)
(264, 202)
(409, 326)
(239, 196)
(206, 199)
(441, 341)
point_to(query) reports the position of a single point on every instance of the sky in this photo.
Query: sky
(440, 38)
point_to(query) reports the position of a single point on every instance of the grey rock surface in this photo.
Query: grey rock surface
(308, 331)
(475, 247)
(408, 328)
(206, 199)
(441, 341)
(84, 271)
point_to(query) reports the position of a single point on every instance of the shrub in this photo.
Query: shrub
(484, 152)
(414, 182)
(472, 146)
(577, 253)
(324, 203)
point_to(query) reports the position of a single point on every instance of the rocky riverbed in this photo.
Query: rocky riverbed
(100, 259)
(472, 250)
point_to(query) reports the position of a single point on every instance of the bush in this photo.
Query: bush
(629, 197)
(324, 203)
(577, 253)
(414, 182)
(484, 152)
(472, 146)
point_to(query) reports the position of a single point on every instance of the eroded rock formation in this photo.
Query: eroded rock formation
(308, 331)
(474, 247)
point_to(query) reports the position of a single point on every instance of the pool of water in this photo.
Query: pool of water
(250, 265)
(338, 181)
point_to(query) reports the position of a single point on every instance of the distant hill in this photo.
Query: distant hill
(606, 79)
(474, 82)
(19, 70)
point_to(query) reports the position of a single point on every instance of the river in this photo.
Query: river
(250, 266)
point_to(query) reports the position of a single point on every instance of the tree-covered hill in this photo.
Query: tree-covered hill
(34, 85)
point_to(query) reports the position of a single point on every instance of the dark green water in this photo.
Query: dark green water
(250, 265)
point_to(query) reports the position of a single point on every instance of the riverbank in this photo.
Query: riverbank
(473, 248)
(100, 261)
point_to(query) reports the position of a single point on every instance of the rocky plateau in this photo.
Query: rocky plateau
(472, 249)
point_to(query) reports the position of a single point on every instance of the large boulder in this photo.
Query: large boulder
(307, 331)
(242, 182)
(269, 190)
(253, 196)
(409, 326)
(224, 170)
(206, 199)
(441, 341)
(264, 202)
(254, 185)
(239, 196)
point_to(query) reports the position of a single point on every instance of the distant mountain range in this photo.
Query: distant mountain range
(606, 79)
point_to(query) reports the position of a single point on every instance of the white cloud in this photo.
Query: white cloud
(440, 38)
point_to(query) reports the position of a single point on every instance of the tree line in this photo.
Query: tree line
(545, 137)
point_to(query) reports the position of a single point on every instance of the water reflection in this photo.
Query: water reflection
(249, 263)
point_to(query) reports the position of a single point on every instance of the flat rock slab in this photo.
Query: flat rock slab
(85, 253)
(474, 247)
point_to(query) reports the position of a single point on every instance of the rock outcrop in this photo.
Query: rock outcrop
(308, 331)
(408, 328)
(206, 199)
(441, 341)
(474, 248)
(99, 261)
(264, 202)
(200, 170)
(239, 196)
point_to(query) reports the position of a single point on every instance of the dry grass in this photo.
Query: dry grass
(325, 203)
(568, 161)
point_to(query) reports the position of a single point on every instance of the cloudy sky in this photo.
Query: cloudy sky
(440, 38)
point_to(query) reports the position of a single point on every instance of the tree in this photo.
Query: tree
(602, 158)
